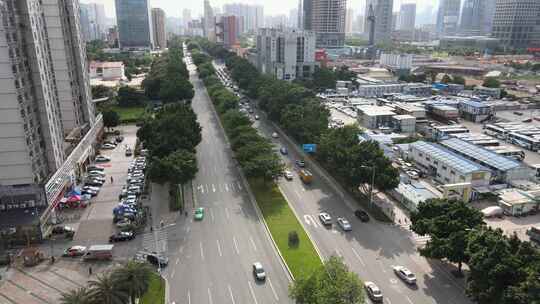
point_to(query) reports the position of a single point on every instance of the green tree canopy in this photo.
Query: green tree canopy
(111, 118)
(491, 82)
(101, 91)
(331, 283)
(448, 224)
(130, 97)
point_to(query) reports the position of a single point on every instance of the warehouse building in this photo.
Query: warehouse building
(474, 111)
(448, 167)
(504, 169)
(404, 123)
(373, 117)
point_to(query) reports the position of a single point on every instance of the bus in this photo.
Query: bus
(495, 131)
(524, 141)
(508, 151)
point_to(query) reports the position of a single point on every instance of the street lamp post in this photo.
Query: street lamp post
(372, 184)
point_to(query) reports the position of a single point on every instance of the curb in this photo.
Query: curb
(167, 288)
(250, 194)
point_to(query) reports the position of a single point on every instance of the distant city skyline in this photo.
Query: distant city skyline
(174, 8)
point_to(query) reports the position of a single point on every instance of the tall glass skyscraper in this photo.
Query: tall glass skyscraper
(134, 24)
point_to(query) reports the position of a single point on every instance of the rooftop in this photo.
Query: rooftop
(475, 104)
(371, 110)
(484, 156)
(106, 64)
(452, 159)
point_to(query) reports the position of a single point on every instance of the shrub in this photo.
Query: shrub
(293, 239)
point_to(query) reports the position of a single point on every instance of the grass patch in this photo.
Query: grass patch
(176, 201)
(156, 291)
(129, 114)
(301, 259)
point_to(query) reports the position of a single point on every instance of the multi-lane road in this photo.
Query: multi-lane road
(210, 260)
(370, 249)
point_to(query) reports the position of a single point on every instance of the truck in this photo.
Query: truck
(99, 252)
(306, 176)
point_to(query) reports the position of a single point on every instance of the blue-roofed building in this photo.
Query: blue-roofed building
(448, 167)
(504, 169)
(473, 110)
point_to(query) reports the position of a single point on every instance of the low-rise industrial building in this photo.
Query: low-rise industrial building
(373, 117)
(107, 70)
(446, 166)
(404, 124)
(504, 169)
(517, 202)
(474, 111)
(491, 92)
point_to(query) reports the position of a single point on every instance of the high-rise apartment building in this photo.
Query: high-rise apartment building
(285, 54)
(227, 31)
(407, 16)
(252, 16)
(186, 17)
(134, 24)
(300, 20)
(93, 21)
(448, 17)
(209, 22)
(476, 17)
(327, 19)
(47, 120)
(517, 23)
(383, 19)
(158, 26)
(349, 20)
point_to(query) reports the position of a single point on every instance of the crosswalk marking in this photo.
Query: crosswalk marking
(157, 238)
(418, 239)
(224, 187)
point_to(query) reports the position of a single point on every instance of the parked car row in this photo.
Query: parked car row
(128, 209)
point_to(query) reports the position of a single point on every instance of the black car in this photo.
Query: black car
(362, 215)
(156, 259)
(300, 163)
(119, 139)
(93, 183)
(122, 236)
(283, 151)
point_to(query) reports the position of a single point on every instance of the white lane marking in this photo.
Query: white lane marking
(202, 252)
(273, 290)
(382, 266)
(177, 261)
(188, 297)
(220, 188)
(218, 247)
(239, 185)
(358, 257)
(206, 185)
(230, 293)
(226, 187)
(253, 243)
(212, 214)
(235, 245)
(188, 229)
(310, 220)
(227, 213)
(252, 292)
(210, 296)
(339, 253)
(213, 188)
(172, 274)
(201, 188)
(388, 300)
(408, 299)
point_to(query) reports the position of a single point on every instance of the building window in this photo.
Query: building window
(445, 167)
(452, 172)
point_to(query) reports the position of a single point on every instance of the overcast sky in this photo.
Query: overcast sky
(271, 7)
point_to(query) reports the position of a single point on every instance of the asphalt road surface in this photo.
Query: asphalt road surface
(370, 249)
(210, 260)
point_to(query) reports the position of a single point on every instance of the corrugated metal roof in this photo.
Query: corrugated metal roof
(482, 155)
(450, 158)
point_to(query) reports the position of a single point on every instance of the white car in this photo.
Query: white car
(288, 175)
(325, 218)
(108, 146)
(275, 135)
(405, 274)
(102, 159)
(258, 271)
(95, 172)
(373, 292)
(344, 224)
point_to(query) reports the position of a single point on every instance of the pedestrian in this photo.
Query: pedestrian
(112, 180)
(186, 213)
(89, 270)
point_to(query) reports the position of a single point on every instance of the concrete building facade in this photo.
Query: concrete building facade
(383, 19)
(158, 27)
(448, 17)
(46, 106)
(134, 22)
(286, 54)
(228, 31)
(407, 16)
(326, 18)
(476, 17)
(516, 23)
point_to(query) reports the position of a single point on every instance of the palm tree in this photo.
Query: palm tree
(76, 296)
(106, 290)
(134, 279)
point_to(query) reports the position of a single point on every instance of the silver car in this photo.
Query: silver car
(344, 224)
(405, 274)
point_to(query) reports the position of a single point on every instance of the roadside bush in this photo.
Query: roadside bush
(294, 241)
